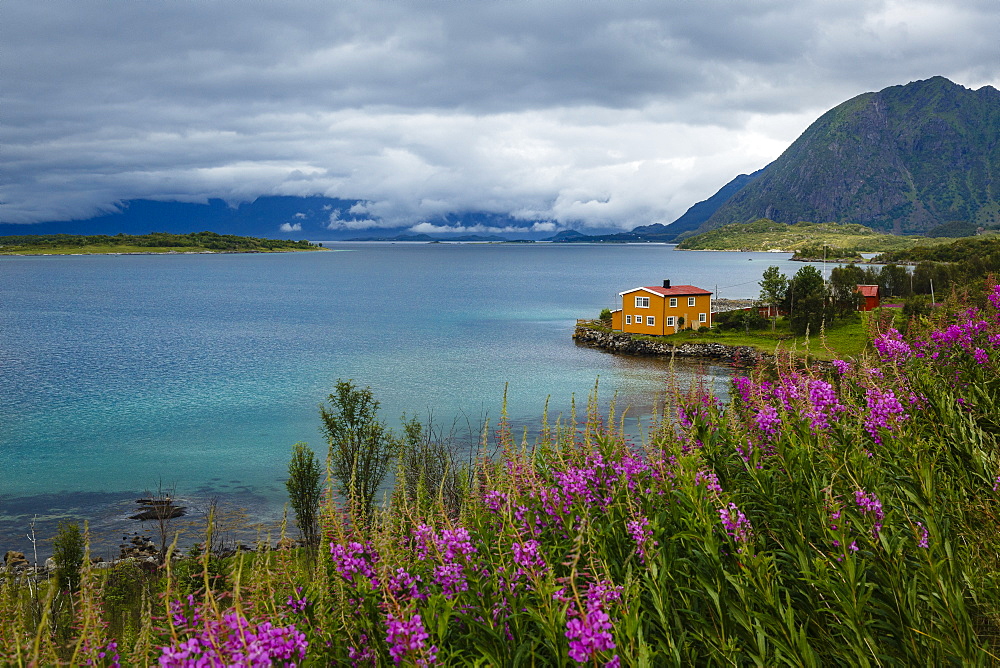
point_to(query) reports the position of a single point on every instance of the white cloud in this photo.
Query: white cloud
(594, 114)
(291, 227)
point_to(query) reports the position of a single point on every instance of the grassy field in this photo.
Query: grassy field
(842, 340)
(767, 235)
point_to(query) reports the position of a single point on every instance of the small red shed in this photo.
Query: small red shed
(871, 295)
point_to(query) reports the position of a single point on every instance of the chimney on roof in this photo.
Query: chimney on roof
(666, 282)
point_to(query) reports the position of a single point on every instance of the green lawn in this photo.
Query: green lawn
(844, 339)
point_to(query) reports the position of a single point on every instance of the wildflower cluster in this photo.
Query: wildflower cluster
(233, 640)
(407, 639)
(588, 627)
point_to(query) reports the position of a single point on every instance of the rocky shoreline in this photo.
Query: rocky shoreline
(627, 344)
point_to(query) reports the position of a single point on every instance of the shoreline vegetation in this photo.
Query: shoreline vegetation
(156, 243)
(824, 514)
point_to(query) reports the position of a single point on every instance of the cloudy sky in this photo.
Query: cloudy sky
(588, 113)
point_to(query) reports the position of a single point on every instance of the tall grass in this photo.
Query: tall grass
(815, 519)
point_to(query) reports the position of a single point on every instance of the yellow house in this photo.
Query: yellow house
(663, 310)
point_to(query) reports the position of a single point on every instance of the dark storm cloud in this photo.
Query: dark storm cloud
(588, 113)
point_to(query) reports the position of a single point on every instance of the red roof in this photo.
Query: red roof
(868, 290)
(673, 291)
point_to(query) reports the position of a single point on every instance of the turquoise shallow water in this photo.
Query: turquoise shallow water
(198, 372)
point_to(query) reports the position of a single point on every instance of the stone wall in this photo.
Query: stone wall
(627, 344)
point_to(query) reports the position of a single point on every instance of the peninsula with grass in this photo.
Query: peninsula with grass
(145, 244)
(809, 241)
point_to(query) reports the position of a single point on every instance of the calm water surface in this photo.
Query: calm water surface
(197, 373)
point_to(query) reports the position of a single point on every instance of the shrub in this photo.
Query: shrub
(67, 551)
(361, 447)
(305, 491)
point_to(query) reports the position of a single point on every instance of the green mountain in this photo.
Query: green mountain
(904, 160)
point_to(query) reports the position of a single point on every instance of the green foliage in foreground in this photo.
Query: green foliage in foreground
(157, 242)
(814, 519)
(840, 241)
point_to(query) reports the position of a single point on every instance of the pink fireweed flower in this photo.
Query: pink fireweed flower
(842, 367)
(767, 420)
(403, 586)
(981, 356)
(407, 639)
(528, 556)
(870, 505)
(884, 411)
(641, 534)
(589, 630)
(233, 641)
(994, 297)
(710, 480)
(925, 536)
(354, 559)
(891, 346)
(736, 523)
(297, 604)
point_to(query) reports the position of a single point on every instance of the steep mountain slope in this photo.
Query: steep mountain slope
(701, 211)
(903, 160)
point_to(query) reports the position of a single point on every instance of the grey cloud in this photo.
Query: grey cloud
(586, 113)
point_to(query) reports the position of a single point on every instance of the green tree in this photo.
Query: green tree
(361, 446)
(807, 300)
(895, 281)
(67, 551)
(844, 295)
(773, 291)
(305, 491)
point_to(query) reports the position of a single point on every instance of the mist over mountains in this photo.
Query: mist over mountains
(906, 160)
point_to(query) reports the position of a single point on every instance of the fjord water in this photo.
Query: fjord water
(196, 373)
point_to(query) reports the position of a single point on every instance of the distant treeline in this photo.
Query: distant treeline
(195, 240)
(961, 263)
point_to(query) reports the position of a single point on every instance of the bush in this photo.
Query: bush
(305, 491)
(67, 551)
(361, 447)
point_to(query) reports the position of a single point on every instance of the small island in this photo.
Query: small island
(146, 244)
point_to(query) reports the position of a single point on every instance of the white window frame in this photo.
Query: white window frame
(690, 301)
(702, 317)
(628, 320)
(670, 321)
(638, 319)
(642, 302)
(651, 321)
(673, 302)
